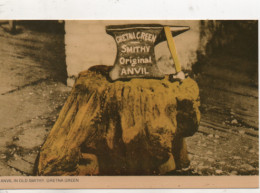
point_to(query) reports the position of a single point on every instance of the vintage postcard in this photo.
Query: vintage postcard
(129, 104)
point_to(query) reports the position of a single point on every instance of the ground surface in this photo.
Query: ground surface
(227, 141)
(32, 94)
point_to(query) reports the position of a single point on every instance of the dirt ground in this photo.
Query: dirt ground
(32, 92)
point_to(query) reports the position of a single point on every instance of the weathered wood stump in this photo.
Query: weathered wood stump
(134, 127)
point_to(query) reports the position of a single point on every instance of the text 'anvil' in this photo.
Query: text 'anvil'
(135, 49)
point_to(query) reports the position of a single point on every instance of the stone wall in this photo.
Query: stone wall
(88, 44)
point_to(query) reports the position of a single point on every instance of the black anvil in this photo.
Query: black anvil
(135, 49)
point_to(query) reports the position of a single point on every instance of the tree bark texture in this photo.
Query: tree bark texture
(132, 127)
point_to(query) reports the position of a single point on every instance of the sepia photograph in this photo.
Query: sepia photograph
(121, 98)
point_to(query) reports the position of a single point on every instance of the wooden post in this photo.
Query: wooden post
(12, 25)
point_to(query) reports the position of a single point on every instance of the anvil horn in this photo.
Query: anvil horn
(176, 30)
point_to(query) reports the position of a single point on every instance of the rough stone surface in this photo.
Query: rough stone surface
(134, 127)
(5, 170)
(21, 165)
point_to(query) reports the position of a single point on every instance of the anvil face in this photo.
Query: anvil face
(135, 50)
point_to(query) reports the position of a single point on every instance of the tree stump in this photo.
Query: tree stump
(132, 127)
